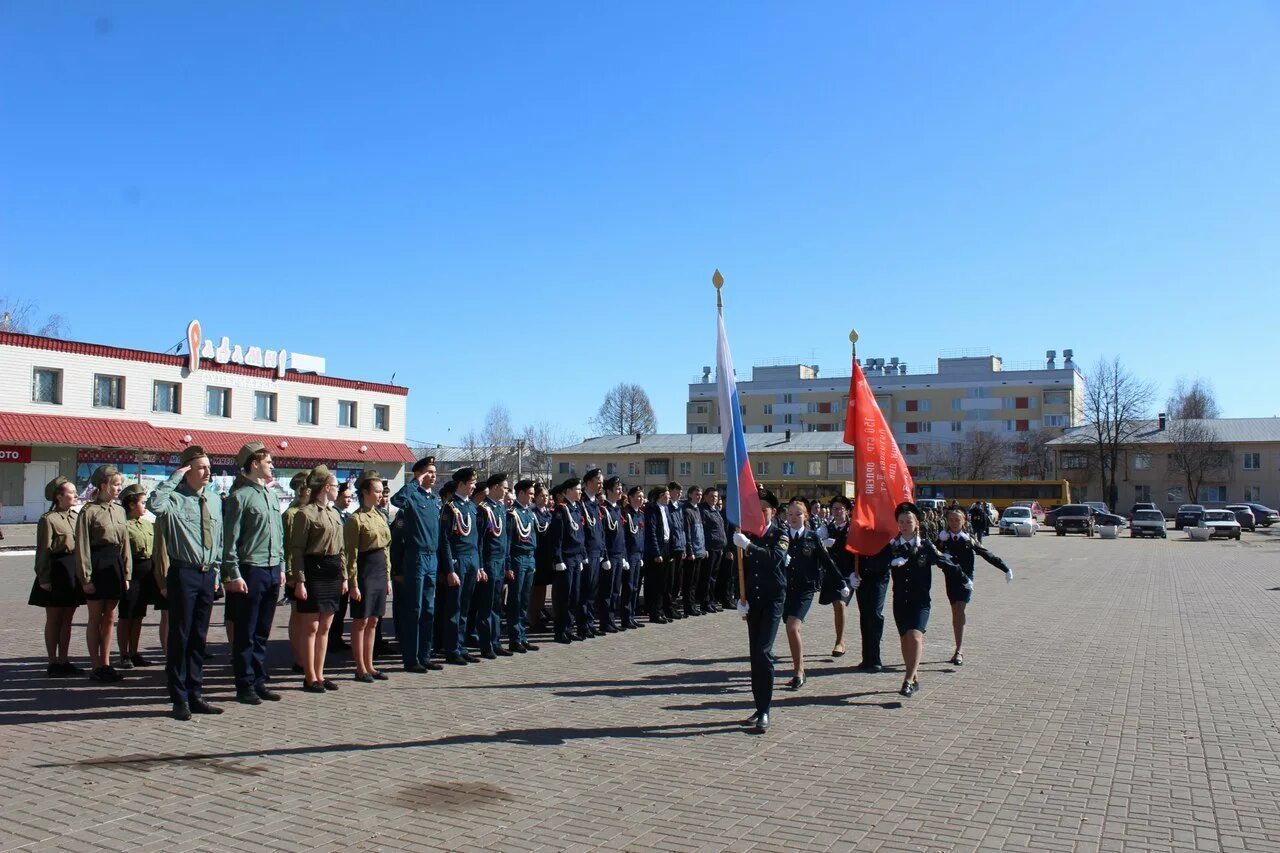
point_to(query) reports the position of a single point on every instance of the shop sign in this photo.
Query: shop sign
(11, 453)
(199, 347)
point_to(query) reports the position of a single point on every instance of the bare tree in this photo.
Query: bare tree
(1030, 453)
(1115, 404)
(538, 441)
(17, 315)
(626, 409)
(1196, 454)
(1192, 400)
(499, 441)
(981, 456)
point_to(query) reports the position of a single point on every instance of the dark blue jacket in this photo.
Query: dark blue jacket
(568, 541)
(416, 528)
(592, 528)
(495, 533)
(635, 524)
(522, 533)
(695, 541)
(461, 532)
(713, 528)
(765, 565)
(654, 546)
(615, 537)
(679, 539)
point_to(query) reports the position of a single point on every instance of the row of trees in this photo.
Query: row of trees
(19, 315)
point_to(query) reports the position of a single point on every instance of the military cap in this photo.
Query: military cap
(319, 477)
(298, 481)
(571, 483)
(242, 458)
(591, 474)
(367, 476)
(843, 501)
(190, 454)
(423, 463)
(524, 484)
(611, 482)
(131, 491)
(448, 489)
(768, 497)
(463, 475)
(52, 487)
(908, 506)
(495, 480)
(103, 474)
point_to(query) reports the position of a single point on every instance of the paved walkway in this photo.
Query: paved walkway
(1119, 695)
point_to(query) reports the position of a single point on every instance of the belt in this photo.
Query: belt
(199, 568)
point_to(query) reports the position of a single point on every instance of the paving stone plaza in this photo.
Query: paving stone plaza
(1119, 695)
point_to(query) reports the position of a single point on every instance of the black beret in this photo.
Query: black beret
(462, 475)
(571, 483)
(611, 482)
(495, 480)
(907, 506)
(524, 484)
(423, 463)
(843, 501)
(768, 497)
(448, 489)
(591, 474)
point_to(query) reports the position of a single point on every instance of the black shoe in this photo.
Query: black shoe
(457, 660)
(379, 675)
(693, 611)
(580, 637)
(266, 695)
(957, 659)
(365, 678)
(329, 684)
(796, 682)
(762, 724)
(751, 721)
(592, 632)
(199, 706)
(633, 625)
(518, 649)
(139, 660)
(529, 647)
(432, 666)
(100, 674)
(247, 697)
(910, 688)
(659, 620)
(69, 668)
(314, 687)
(470, 658)
(297, 669)
(501, 652)
(416, 667)
(113, 674)
(54, 670)
(126, 663)
(564, 638)
(608, 629)
(488, 655)
(181, 711)
(870, 667)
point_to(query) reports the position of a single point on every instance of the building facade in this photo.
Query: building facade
(930, 414)
(1245, 467)
(816, 465)
(67, 407)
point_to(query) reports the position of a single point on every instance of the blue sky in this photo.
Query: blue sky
(523, 202)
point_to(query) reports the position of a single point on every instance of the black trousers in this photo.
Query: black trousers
(689, 581)
(871, 594)
(190, 594)
(726, 582)
(763, 617)
(609, 591)
(588, 584)
(655, 586)
(253, 612)
(708, 577)
(565, 589)
(675, 571)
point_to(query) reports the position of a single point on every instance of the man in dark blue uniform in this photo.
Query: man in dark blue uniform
(657, 552)
(679, 553)
(615, 558)
(521, 563)
(463, 543)
(568, 549)
(874, 586)
(416, 545)
(593, 540)
(765, 558)
(717, 540)
(697, 551)
(495, 544)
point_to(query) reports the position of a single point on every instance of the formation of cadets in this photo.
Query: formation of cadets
(470, 565)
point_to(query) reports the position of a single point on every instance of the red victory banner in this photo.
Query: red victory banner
(879, 470)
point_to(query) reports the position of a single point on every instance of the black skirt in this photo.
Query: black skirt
(66, 591)
(140, 593)
(323, 576)
(372, 572)
(107, 575)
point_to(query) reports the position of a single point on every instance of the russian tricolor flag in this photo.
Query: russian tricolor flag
(741, 502)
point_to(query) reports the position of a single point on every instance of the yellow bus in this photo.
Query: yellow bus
(999, 493)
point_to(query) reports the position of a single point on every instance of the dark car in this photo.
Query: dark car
(1245, 516)
(1111, 518)
(1074, 518)
(1148, 522)
(1262, 514)
(1140, 506)
(1188, 516)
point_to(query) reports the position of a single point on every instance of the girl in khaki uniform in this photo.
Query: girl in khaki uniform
(104, 563)
(368, 558)
(319, 581)
(141, 590)
(56, 588)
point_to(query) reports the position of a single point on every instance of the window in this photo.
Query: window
(786, 419)
(565, 468)
(1142, 461)
(166, 397)
(708, 469)
(1213, 494)
(815, 469)
(309, 410)
(1022, 402)
(762, 468)
(1252, 461)
(685, 469)
(1055, 398)
(1055, 420)
(264, 406)
(955, 404)
(108, 391)
(977, 393)
(382, 418)
(1073, 461)
(957, 426)
(1008, 426)
(1142, 494)
(700, 430)
(788, 469)
(910, 406)
(768, 427)
(46, 385)
(1174, 494)
(910, 449)
(812, 408)
(347, 413)
(842, 466)
(920, 426)
(786, 398)
(1253, 493)
(611, 469)
(700, 409)
(217, 402)
(768, 408)
(1021, 426)
(633, 469)
(655, 467)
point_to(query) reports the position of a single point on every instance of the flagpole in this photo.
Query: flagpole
(853, 345)
(718, 281)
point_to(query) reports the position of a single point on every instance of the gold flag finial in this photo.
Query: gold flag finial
(853, 341)
(717, 279)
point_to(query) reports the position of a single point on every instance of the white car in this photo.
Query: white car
(1222, 522)
(1016, 516)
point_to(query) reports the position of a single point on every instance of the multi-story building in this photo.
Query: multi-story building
(810, 464)
(67, 407)
(1243, 463)
(929, 413)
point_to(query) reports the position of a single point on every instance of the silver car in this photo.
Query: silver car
(1222, 522)
(1148, 522)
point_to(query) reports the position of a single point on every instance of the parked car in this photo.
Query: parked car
(1244, 515)
(1142, 505)
(1052, 516)
(1100, 506)
(1074, 518)
(1037, 511)
(1109, 518)
(1264, 515)
(1222, 522)
(1148, 522)
(1188, 516)
(931, 503)
(1015, 517)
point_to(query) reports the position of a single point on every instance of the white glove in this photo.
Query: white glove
(786, 560)
(828, 543)
(560, 567)
(898, 561)
(606, 565)
(740, 539)
(743, 608)
(626, 567)
(640, 565)
(1009, 577)
(968, 584)
(854, 581)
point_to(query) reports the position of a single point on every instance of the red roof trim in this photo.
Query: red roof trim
(18, 339)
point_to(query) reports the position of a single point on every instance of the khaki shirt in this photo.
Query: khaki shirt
(317, 530)
(365, 530)
(142, 537)
(101, 524)
(287, 521)
(55, 534)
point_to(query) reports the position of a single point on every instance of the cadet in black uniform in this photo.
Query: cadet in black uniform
(657, 553)
(521, 560)
(836, 536)
(716, 540)
(911, 561)
(961, 548)
(679, 553)
(633, 521)
(544, 572)
(568, 549)
(765, 558)
(615, 558)
(593, 563)
(809, 569)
